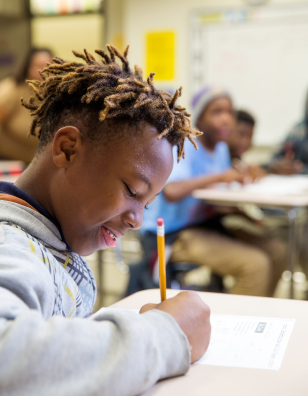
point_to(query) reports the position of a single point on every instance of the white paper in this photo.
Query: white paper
(247, 341)
(274, 185)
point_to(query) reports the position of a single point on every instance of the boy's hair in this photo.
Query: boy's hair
(244, 116)
(96, 91)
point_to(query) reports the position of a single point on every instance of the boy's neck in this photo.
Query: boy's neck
(207, 142)
(233, 153)
(34, 182)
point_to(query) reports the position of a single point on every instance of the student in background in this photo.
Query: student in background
(292, 156)
(240, 138)
(105, 152)
(240, 141)
(15, 120)
(196, 235)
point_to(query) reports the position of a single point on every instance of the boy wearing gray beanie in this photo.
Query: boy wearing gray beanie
(192, 227)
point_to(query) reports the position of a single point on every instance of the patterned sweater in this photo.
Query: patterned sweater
(73, 280)
(46, 347)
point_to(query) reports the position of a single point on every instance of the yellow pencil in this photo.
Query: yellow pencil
(161, 257)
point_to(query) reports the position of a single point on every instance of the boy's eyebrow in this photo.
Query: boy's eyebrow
(147, 182)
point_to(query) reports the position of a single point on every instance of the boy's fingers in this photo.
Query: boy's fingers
(193, 316)
(147, 307)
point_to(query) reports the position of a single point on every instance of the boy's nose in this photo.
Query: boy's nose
(133, 219)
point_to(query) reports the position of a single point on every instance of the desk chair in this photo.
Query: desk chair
(176, 272)
(127, 258)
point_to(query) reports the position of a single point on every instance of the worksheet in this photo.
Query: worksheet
(243, 341)
(248, 341)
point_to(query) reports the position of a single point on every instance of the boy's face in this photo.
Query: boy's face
(240, 138)
(217, 120)
(103, 191)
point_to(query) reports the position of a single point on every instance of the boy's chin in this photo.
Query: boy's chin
(223, 136)
(87, 253)
(83, 249)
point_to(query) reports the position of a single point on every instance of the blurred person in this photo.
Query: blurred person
(291, 159)
(192, 229)
(240, 138)
(15, 120)
(292, 156)
(240, 141)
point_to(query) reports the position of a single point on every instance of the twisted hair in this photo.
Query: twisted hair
(98, 91)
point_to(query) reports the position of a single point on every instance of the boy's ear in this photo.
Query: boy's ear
(66, 143)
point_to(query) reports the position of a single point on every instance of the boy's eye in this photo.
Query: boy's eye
(129, 191)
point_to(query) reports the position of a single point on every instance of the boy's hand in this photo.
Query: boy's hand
(192, 315)
(256, 172)
(232, 175)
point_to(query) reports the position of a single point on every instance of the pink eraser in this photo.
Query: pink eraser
(160, 222)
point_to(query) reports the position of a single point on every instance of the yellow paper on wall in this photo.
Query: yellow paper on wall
(160, 54)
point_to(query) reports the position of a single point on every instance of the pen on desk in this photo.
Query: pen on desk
(161, 257)
(240, 165)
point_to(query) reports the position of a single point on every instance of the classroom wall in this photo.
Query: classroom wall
(14, 43)
(64, 33)
(134, 18)
(114, 22)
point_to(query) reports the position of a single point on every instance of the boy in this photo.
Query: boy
(105, 152)
(240, 140)
(191, 228)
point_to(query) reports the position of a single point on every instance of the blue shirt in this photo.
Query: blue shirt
(188, 211)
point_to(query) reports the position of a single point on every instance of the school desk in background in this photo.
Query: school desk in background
(10, 170)
(288, 193)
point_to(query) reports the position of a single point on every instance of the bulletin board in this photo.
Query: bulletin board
(261, 56)
(62, 7)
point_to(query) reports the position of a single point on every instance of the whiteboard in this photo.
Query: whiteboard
(261, 57)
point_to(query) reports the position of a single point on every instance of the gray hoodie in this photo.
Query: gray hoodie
(47, 347)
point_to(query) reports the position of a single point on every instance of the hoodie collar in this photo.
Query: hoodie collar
(9, 192)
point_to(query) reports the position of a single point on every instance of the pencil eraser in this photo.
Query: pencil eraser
(160, 222)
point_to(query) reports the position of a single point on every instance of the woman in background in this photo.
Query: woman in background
(15, 120)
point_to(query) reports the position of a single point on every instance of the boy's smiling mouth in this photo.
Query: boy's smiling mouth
(107, 238)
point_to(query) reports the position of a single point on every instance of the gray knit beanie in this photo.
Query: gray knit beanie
(203, 98)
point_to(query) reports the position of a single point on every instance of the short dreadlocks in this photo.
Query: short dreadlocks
(98, 91)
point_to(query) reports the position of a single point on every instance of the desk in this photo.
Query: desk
(203, 380)
(287, 202)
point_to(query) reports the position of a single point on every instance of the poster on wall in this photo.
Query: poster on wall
(160, 55)
(58, 7)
